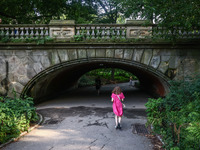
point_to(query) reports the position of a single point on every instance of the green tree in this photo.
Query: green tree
(170, 14)
(42, 11)
(108, 10)
(30, 11)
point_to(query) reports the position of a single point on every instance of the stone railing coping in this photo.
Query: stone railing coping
(139, 22)
(62, 22)
(23, 25)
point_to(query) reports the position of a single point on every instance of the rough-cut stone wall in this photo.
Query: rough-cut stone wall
(20, 63)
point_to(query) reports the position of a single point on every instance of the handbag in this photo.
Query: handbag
(121, 102)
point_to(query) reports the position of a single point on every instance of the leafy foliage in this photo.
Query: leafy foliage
(15, 117)
(168, 14)
(176, 117)
(106, 76)
(37, 40)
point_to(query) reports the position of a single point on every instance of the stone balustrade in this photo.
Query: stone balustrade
(181, 33)
(102, 31)
(66, 30)
(24, 31)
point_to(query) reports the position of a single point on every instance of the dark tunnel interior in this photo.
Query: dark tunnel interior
(66, 78)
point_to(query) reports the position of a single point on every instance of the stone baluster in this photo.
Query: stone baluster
(46, 31)
(108, 32)
(113, 32)
(77, 31)
(103, 32)
(98, 32)
(83, 31)
(41, 31)
(36, 32)
(12, 33)
(32, 32)
(16, 33)
(88, 33)
(123, 32)
(93, 34)
(22, 33)
(7, 32)
(26, 32)
(118, 32)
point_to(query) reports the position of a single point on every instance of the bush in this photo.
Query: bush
(15, 117)
(86, 81)
(177, 116)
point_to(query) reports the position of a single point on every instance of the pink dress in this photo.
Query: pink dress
(117, 104)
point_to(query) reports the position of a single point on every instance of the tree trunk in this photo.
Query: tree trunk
(113, 74)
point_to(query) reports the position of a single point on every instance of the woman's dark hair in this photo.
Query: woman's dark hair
(117, 90)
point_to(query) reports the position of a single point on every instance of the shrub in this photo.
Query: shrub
(15, 117)
(177, 116)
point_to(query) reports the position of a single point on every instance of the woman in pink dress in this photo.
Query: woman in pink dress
(117, 96)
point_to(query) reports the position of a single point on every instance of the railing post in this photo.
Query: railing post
(137, 29)
(62, 30)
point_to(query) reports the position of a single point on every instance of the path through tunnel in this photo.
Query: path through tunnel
(63, 78)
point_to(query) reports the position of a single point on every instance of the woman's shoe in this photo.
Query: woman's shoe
(119, 127)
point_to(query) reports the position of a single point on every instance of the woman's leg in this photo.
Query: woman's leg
(120, 119)
(119, 125)
(116, 120)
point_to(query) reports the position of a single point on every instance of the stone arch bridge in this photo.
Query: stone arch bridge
(44, 70)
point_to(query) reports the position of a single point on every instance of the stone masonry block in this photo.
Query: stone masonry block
(100, 52)
(147, 55)
(110, 53)
(23, 80)
(163, 67)
(155, 61)
(54, 58)
(174, 62)
(63, 55)
(21, 54)
(2, 64)
(137, 56)
(72, 54)
(38, 67)
(119, 53)
(91, 52)
(45, 61)
(82, 53)
(128, 54)
(15, 86)
(13, 62)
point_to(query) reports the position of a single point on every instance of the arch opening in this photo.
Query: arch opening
(107, 76)
(64, 77)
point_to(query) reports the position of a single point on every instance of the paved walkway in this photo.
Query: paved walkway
(82, 120)
(134, 98)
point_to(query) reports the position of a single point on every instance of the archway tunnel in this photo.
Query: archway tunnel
(63, 77)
